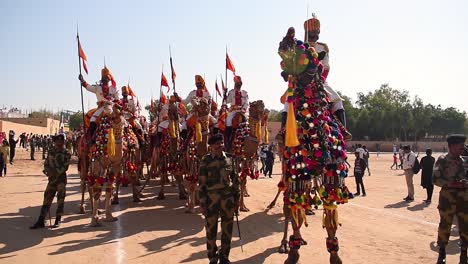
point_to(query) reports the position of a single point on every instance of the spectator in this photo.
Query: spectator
(394, 148)
(269, 161)
(4, 153)
(359, 169)
(408, 161)
(395, 161)
(360, 150)
(401, 153)
(427, 167)
(262, 156)
(12, 142)
(32, 146)
(22, 140)
(366, 156)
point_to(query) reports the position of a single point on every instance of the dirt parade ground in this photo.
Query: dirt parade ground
(380, 228)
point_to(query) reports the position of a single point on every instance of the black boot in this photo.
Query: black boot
(92, 131)
(58, 219)
(159, 139)
(141, 140)
(442, 256)
(39, 223)
(463, 256)
(228, 138)
(215, 130)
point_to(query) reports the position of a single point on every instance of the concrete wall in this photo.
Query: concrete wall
(41, 126)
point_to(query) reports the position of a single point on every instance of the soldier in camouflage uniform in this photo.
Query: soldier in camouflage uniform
(450, 173)
(55, 168)
(219, 194)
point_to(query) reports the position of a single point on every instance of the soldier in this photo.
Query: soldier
(105, 95)
(312, 33)
(239, 101)
(55, 168)
(450, 173)
(219, 195)
(131, 112)
(200, 92)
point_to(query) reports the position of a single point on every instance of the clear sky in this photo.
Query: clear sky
(415, 45)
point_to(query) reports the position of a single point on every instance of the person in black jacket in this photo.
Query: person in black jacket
(12, 142)
(359, 169)
(427, 166)
(269, 161)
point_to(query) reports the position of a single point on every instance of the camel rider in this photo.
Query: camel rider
(164, 114)
(105, 95)
(239, 103)
(131, 112)
(312, 29)
(200, 92)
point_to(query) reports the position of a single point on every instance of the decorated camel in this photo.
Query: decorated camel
(247, 137)
(195, 146)
(105, 162)
(314, 146)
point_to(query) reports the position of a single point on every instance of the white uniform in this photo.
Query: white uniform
(337, 101)
(192, 95)
(131, 109)
(113, 94)
(164, 114)
(231, 99)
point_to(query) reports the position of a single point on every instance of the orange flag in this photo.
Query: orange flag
(163, 98)
(83, 57)
(229, 64)
(164, 81)
(217, 88)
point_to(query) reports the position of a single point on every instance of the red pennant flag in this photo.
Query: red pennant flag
(164, 81)
(173, 74)
(130, 91)
(152, 105)
(222, 85)
(229, 64)
(217, 88)
(83, 57)
(163, 98)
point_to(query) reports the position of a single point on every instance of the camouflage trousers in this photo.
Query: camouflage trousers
(219, 203)
(453, 202)
(55, 187)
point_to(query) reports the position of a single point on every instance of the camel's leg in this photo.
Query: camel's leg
(83, 190)
(295, 241)
(109, 217)
(161, 195)
(115, 199)
(273, 203)
(242, 206)
(331, 224)
(96, 195)
(284, 242)
(181, 187)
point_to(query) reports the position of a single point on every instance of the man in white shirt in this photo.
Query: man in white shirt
(105, 95)
(360, 150)
(408, 162)
(239, 103)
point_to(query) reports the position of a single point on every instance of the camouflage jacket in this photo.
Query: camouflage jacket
(217, 174)
(56, 163)
(449, 170)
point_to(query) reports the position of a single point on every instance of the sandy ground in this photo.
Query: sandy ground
(379, 228)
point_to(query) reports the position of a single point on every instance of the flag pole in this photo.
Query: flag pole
(225, 79)
(172, 70)
(81, 84)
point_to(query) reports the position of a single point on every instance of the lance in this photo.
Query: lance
(225, 79)
(239, 231)
(81, 85)
(172, 70)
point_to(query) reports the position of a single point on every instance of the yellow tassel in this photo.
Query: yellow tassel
(111, 143)
(265, 134)
(294, 212)
(198, 132)
(291, 128)
(258, 131)
(172, 129)
(323, 218)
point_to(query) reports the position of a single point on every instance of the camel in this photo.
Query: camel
(106, 162)
(195, 147)
(247, 137)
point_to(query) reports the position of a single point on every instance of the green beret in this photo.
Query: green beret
(215, 138)
(456, 139)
